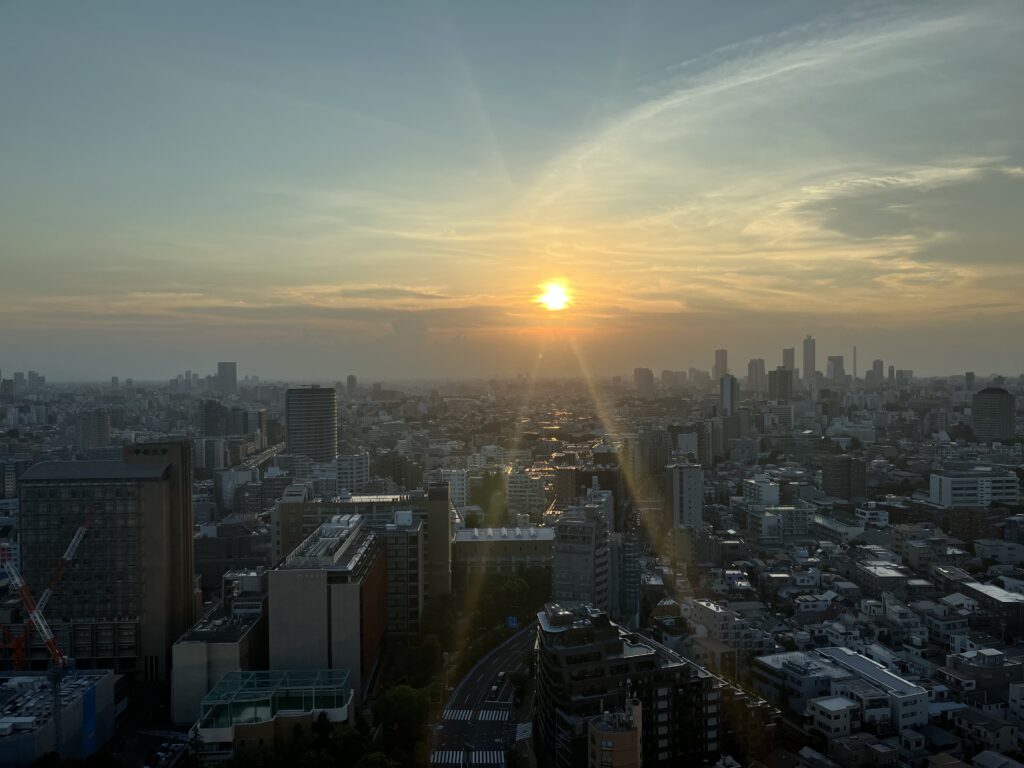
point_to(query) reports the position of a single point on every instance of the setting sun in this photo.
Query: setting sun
(554, 298)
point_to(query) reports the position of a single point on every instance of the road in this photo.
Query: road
(478, 726)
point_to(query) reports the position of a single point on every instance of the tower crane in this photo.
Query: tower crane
(60, 664)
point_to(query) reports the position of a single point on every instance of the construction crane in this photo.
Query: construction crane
(60, 664)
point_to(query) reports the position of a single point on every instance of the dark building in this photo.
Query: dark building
(992, 410)
(311, 414)
(129, 593)
(227, 378)
(587, 665)
(780, 384)
(844, 477)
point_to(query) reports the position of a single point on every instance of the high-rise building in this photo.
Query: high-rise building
(721, 364)
(780, 384)
(92, 430)
(836, 371)
(353, 471)
(351, 385)
(686, 496)
(580, 566)
(844, 477)
(757, 379)
(312, 420)
(789, 358)
(643, 380)
(810, 366)
(129, 592)
(227, 378)
(992, 411)
(728, 395)
(969, 380)
(876, 376)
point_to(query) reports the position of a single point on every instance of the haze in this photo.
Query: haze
(315, 189)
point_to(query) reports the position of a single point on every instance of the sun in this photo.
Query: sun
(555, 297)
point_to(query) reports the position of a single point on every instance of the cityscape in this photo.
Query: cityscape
(479, 385)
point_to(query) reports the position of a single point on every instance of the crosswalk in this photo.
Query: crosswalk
(486, 757)
(458, 714)
(492, 714)
(446, 757)
(524, 730)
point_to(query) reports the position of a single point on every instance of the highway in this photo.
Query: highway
(478, 727)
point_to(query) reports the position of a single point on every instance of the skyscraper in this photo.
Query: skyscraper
(789, 358)
(643, 379)
(351, 384)
(721, 364)
(836, 370)
(728, 394)
(992, 410)
(227, 378)
(780, 384)
(312, 420)
(686, 495)
(810, 366)
(757, 380)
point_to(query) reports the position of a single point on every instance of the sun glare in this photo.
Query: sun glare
(554, 298)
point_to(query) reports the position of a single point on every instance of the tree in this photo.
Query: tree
(322, 730)
(402, 713)
(376, 760)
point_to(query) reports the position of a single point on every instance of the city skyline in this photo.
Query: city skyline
(390, 191)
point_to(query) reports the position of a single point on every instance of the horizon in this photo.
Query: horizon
(394, 190)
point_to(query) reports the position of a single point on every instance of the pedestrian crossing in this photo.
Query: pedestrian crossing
(446, 757)
(524, 731)
(487, 757)
(458, 714)
(499, 715)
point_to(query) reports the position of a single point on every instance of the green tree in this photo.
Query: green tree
(402, 714)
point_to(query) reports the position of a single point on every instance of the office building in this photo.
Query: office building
(686, 496)
(789, 358)
(327, 602)
(728, 395)
(643, 380)
(458, 483)
(404, 543)
(580, 565)
(835, 370)
(230, 638)
(780, 384)
(757, 379)
(311, 414)
(129, 593)
(810, 364)
(980, 486)
(351, 385)
(721, 367)
(353, 472)
(227, 378)
(844, 477)
(993, 415)
(92, 430)
(502, 550)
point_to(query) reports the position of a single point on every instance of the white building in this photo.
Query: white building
(353, 472)
(908, 703)
(761, 490)
(977, 487)
(458, 482)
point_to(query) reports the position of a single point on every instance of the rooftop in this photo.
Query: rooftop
(533, 533)
(94, 470)
(871, 671)
(26, 699)
(252, 697)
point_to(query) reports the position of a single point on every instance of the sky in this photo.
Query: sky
(316, 189)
